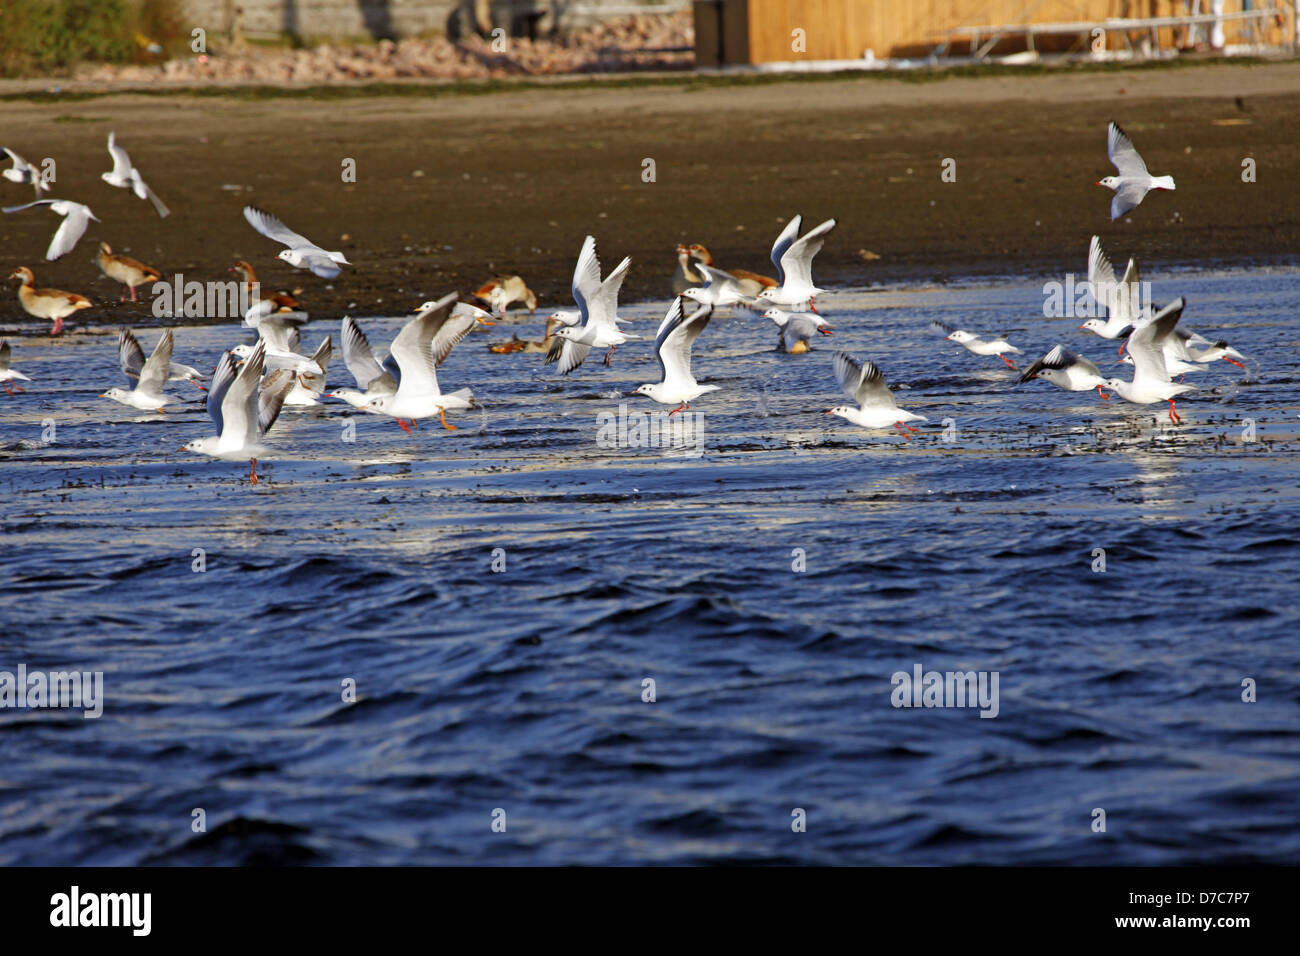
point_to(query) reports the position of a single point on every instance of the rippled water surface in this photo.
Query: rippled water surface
(968, 548)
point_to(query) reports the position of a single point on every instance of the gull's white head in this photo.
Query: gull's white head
(768, 295)
(779, 316)
(646, 390)
(1093, 325)
(116, 394)
(1110, 182)
(961, 335)
(379, 404)
(242, 351)
(568, 332)
(698, 295)
(202, 446)
(350, 395)
(290, 256)
(843, 411)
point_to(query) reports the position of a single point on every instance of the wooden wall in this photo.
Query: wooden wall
(844, 29)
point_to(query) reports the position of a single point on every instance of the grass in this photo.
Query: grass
(50, 37)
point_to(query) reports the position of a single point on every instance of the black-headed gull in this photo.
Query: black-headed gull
(1121, 298)
(129, 272)
(1151, 380)
(131, 357)
(1133, 182)
(150, 378)
(374, 376)
(1193, 347)
(308, 386)
(418, 349)
(301, 253)
(751, 283)
(8, 373)
(279, 331)
(125, 176)
(23, 172)
(973, 343)
(76, 217)
(793, 259)
(719, 289)
(796, 329)
(865, 384)
(53, 304)
(677, 333)
(1068, 370)
(597, 301)
(244, 407)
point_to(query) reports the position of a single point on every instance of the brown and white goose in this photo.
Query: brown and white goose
(52, 304)
(130, 272)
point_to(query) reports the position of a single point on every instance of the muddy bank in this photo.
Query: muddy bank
(450, 188)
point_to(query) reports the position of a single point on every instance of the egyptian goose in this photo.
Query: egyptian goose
(685, 276)
(504, 291)
(47, 303)
(130, 272)
(265, 305)
(516, 344)
(751, 283)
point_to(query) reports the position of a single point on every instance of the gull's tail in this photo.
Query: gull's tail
(1162, 182)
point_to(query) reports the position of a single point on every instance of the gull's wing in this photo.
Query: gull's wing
(1123, 153)
(70, 232)
(783, 242)
(29, 205)
(1146, 344)
(568, 353)
(278, 330)
(724, 281)
(602, 307)
(270, 400)
(413, 347)
(586, 277)
(153, 377)
(121, 161)
(273, 228)
(358, 356)
(129, 355)
(141, 189)
(4, 356)
(1059, 358)
(321, 264)
(324, 352)
(941, 326)
(1128, 197)
(796, 261)
(799, 328)
(678, 333)
(221, 379)
(1101, 274)
(239, 411)
(863, 382)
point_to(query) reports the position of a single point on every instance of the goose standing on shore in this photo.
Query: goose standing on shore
(52, 304)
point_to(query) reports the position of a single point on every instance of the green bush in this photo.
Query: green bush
(53, 36)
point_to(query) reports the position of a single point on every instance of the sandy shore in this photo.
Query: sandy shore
(452, 186)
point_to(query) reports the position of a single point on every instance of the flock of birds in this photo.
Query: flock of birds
(250, 384)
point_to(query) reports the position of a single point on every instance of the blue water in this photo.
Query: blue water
(521, 690)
